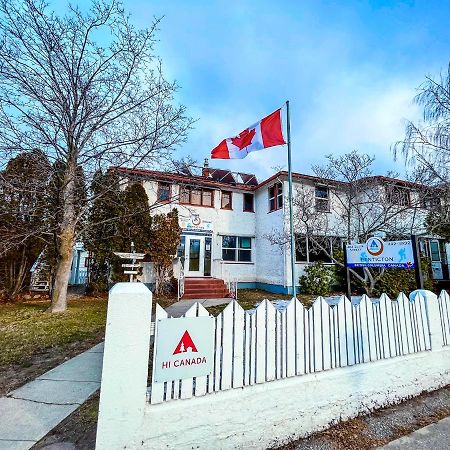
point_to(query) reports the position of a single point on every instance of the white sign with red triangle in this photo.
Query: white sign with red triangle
(184, 348)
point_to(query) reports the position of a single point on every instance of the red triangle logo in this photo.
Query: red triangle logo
(185, 345)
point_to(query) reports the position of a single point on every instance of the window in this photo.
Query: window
(207, 197)
(322, 196)
(275, 197)
(237, 248)
(249, 203)
(434, 251)
(301, 249)
(398, 195)
(310, 250)
(163, 192)
(226, 200)
(196, 196)
(430, 201)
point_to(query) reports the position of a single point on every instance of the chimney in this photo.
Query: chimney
(205, 170)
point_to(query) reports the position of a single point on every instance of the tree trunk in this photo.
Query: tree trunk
(66, 241)
(62, 275)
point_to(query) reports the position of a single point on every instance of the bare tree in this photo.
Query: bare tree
(427, 144)
(426, 148)
(87, 90)
(357, 205)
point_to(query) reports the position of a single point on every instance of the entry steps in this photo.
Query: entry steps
(204, 288)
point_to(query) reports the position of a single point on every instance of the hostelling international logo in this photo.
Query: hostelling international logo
(375, 246)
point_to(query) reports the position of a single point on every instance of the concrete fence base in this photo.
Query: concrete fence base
(254, 417)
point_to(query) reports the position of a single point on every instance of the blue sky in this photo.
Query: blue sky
(349, 68)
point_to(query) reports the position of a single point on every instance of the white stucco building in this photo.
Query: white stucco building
(227, 217)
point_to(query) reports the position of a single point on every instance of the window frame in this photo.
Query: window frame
(189, 190)
(307, 256)
(238, 249)
(253, 202)
(160, 183)
(230, 193)
(394, 200)
(277, 196)
(318, 200)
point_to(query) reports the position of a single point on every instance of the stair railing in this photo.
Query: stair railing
(232, 286)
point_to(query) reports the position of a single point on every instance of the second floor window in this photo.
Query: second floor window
(226, 200)
(163, 192)
(248, 203)
(398, 195)
(322, 197)
(429, 201)
(275, 197)
(196, 196)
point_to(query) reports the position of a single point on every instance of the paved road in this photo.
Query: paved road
(433, 437)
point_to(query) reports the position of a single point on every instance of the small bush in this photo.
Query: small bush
(394, 281)
(318, 279)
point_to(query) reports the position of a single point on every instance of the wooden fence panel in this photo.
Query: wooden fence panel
(268, 344)
(291, 337)
(260, 344)
(238, 345)
(157, 389)
(200, 383)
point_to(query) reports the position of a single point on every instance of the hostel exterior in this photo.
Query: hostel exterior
(233, 226)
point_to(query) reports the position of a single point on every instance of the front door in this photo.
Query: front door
(197, 256)
(193, 264)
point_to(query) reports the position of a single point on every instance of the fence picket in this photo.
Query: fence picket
(157, 390)
(278, 345)
(317, 329)
(443, 300)
(187, 384)
(238, 345)
(201, 382)
(300, 354)
(367, 329)
(217, 354)
(270, 342)
(227, 347)
(291, 333)
(260, 345)
(247, 347)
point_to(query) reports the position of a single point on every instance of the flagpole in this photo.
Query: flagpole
(291, 213)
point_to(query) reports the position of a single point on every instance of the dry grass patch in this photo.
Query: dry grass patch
(26, 328)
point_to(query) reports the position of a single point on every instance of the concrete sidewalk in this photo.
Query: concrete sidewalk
(180, 307)
(433, 437)
(31, 411)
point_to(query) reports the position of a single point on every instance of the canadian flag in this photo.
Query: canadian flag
(268, 132)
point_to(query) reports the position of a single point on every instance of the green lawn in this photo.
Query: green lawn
(26, 328)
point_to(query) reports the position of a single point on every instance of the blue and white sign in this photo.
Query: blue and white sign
(378, 253)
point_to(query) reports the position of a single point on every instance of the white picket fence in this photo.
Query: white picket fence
(268, 344)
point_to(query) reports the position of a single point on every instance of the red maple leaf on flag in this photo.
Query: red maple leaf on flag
(243, 139)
